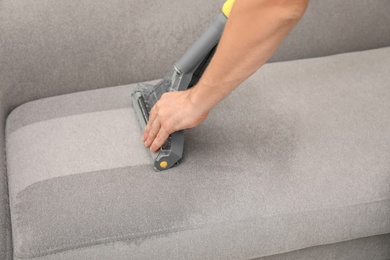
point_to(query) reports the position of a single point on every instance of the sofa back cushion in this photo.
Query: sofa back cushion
(334, 26)
(56, 47)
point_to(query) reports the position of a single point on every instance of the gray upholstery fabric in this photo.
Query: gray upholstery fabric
(372, 248)
(55, 47)
(87, 142)
(5, 223)
(297, 157)
(334, 26)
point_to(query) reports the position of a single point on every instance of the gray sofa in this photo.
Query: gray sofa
(295, 164)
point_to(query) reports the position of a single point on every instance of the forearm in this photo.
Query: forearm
(253, 32)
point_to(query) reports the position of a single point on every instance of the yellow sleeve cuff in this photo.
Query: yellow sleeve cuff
(227, 7)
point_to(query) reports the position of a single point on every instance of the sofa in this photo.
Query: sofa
(294, 164)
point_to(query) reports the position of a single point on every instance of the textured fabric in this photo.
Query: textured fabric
(333, 26)
(56, 47)
(68, 105)
(156, 215)
(296, 157)
(5, 222)
(87, 142)
(52, 47)
(372, 248)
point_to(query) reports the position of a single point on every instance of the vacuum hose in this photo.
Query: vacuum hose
(209, 39)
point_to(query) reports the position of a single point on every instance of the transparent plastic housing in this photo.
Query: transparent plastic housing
(152, 93)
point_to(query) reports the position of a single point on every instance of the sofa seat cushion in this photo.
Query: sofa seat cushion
(298, 156)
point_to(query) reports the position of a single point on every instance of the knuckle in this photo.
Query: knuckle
(168, 126)
(152, 133)
(158, 139)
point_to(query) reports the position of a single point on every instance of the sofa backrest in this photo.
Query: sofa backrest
(336, 26)
(50, 47)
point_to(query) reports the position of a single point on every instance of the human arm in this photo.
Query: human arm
(254, 30)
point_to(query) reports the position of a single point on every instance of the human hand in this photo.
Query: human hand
(173, 112)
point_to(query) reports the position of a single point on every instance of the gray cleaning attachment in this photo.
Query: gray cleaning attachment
(186, 73)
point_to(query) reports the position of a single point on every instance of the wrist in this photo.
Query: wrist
(203, 97)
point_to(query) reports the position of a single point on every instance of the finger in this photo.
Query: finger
(144, 137)
(155, 128)
(161, 137)
(152, 117)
